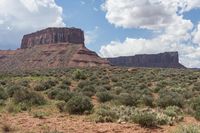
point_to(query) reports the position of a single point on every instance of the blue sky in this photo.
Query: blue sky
(112, 27)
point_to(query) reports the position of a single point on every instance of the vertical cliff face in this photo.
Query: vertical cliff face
(162, 60)
(53, 36)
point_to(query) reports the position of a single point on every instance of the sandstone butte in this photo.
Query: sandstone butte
(51, 48)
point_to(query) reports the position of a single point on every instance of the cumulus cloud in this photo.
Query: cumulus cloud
(91, 35)
(176, 33)
(18, 17)
(196, 35)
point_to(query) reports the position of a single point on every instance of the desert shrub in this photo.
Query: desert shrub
(170, 99)
(64, 87)
(105, 114)
(127, 99)
(148, 100)
(163, 119)
(117, 90)
(42, 86)
(60, 94)
(104, 96)
(114, 79)
(196, 103)
(13, 108)
(145, 119)
(83, 84)
(64, 95)
(172, 111)
(40, 115)
(11, 89)
(197, 114)
(28, 97)
(196, 107)
(188, 129)
(45, 85)
(24, 83)
(61, 106)
(3, 82)
(78, 105)
(157, 89)
(79, 74)
(87, 90)
(66, 82)
(3, 94)
(124, 113)
(196, 86)
(107, 87)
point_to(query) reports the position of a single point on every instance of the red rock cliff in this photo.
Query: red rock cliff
(53, 36)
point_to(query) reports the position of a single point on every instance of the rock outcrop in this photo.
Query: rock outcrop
(162, 60)
(53, 36)
(51, 48)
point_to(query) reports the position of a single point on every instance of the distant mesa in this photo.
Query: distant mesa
(162, 60)
(51, 48)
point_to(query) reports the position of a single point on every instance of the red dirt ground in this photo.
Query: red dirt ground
(26, 123)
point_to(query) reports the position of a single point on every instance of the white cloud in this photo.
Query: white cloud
(165, 16)
(18, 17)
(137, 13)
(91, 36)
(196, 35)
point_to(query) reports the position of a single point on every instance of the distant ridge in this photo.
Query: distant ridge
(161, 60)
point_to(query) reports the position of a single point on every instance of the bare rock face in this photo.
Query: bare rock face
(53, 36)
(162, 60)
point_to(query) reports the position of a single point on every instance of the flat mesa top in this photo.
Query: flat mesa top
(53, 36)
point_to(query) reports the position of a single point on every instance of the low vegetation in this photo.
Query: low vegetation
(148, 97)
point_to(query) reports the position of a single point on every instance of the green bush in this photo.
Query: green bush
(28, 97)
(11, 89)
(172, 111)
(45, 85)
(148, 100)
(61, 106)
(196, 107)
(79, 74)
(66, 82)
(87, 90)
(197, 114)
(127, 99)
(145, 119)
(104, 96)
(40, 115)
(196, 103)
(64, 95)
(83, 84)
(78, 105)
(60, 94)
(170, 99)
(64, 87)
(105, 114)
(24, 83)
(42, 86)
(188, 129)
(3, 94)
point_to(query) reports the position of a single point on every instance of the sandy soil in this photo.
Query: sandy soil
(26, 123)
